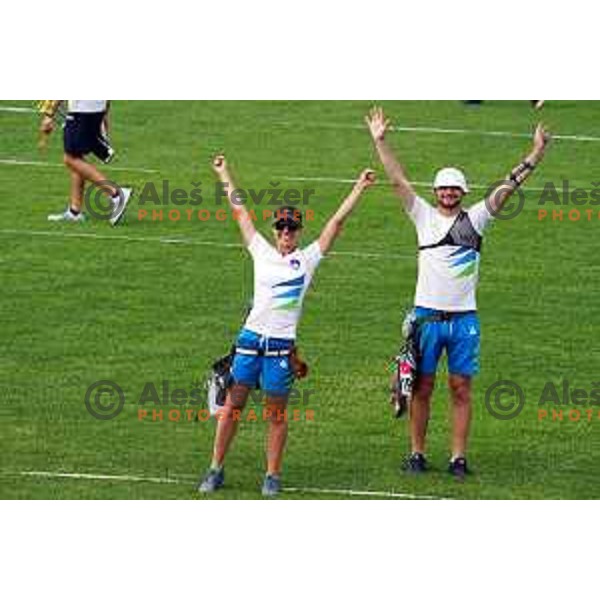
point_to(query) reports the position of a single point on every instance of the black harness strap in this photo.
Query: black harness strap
(461, 233)
(442, 316)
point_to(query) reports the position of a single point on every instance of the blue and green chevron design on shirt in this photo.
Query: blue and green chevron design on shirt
(290, 294)
(467, 258)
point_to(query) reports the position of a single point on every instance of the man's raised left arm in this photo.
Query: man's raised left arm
(521, 172)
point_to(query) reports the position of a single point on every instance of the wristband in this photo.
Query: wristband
(521, 172)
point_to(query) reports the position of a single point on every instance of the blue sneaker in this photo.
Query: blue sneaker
(213, 481)
(271, 486)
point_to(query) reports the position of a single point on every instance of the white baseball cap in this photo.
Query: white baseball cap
(451, 177)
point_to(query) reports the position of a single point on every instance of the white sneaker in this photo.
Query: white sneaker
(67, 216)
(120, 206)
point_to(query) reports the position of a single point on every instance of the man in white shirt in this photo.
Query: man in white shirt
(85, 132)
(445, 316)
(265, 346)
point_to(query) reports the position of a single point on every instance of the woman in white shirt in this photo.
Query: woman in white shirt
(282, 275)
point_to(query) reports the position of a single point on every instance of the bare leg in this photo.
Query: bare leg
(89, 172)
(77, 185)
(420, 406)
(278, 430)
(460, 390)
(228, 420)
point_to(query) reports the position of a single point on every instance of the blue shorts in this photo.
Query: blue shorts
(273, 374)
(459, 336)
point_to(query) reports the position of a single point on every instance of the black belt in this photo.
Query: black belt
(443, 315)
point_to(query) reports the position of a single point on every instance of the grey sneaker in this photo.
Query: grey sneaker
(120, 206)
(67, 216)
(271, 486)
(213, 481)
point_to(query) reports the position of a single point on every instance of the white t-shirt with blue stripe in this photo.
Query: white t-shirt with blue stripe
(280, 284)
(448, 275)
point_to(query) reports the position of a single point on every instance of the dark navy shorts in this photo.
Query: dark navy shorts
(83, 135)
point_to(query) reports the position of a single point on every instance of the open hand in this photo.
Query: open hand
(541, 138)
(377, 123)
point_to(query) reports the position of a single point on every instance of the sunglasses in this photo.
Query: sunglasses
(282, 225)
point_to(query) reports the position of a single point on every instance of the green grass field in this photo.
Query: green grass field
(87, 302)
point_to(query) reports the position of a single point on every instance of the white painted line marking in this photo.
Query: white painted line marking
(17, 109)
(444, 131)
(186, 241)
(406, 128)
(185, 481)
(425, 184)
(99, 477)
(37, 163)
(365, 493)
(316, 179)
(510, 134)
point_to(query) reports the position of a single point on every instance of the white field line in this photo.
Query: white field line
(125, 238)
(99, 477)
(407, 128)
(184, 241)
(17, 109)
(189, 482)
(446, 131)
(425, 184)
(574, 137)
(316, 179)
(38, 163)
(362, 493)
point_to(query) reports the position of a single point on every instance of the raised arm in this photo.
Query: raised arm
(334, 225)
(241, 213)
(378, 126)
(521, 172)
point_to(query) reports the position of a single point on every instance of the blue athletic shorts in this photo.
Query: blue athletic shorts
(273, 374)
(459, 336)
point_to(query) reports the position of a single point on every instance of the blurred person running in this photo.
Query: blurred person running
(85, 132)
